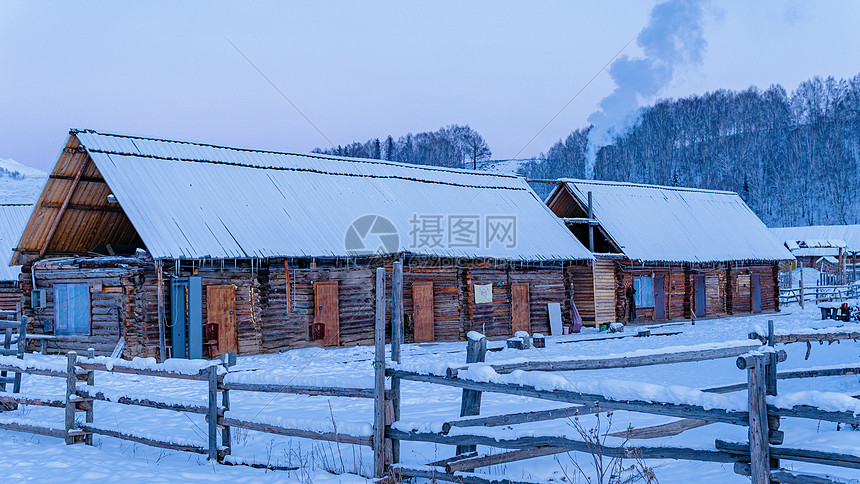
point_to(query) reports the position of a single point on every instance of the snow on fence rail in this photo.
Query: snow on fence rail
(760, 410)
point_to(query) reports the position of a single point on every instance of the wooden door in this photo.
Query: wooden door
(326, 311)
(422, 311)
(755, 281)
(520, 314)
(659, 298)
(221, 311)
(700, 299)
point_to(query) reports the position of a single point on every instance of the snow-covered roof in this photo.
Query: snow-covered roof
(828, 258)
(832, 235)
(675, 224)
(13, 218)
(191, 200)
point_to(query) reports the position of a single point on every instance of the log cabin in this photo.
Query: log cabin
(165, 248)
(13, 217)
(687, 253)
(810, 243)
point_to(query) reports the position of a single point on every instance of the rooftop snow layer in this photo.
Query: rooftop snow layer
(190, 200)
(676, 224)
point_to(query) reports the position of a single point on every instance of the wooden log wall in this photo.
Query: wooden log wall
(10, 296)
(491, 319)
(546, 285)
(580, 281)
(678, 302)
(715, 292)
(112, 289)
(605, 288)
(283, 328)
(448, 299)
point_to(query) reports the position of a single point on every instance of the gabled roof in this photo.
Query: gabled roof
(815, 234)
(191, 200)
(13, 218)
(675, 224)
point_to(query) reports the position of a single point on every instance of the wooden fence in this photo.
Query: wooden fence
(81, 392)
(758, 457)
(818, 294)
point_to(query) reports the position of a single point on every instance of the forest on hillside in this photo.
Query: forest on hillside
(793, 156)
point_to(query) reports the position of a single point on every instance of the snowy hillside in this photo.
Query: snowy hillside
(20, 183)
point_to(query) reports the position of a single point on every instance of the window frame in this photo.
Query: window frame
(69, 315)
(644, 297)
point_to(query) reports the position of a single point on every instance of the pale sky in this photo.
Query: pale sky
(359, 70)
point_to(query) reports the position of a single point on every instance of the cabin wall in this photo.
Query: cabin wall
(580, 281)
(448, 298)
(114, 293)
(10, 296)
(740, 286)
(284, 327)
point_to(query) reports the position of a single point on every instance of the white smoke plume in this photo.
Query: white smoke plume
(673, 37)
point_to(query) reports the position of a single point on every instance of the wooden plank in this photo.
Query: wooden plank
(476, 352)
(71, 395)
(292, 432)
(287, 285)
(379, 469)
(520, 310)
(521, 417)
(221, 310)
(300, 389)
(33, 429)
(202, 376)
(471, 463)
(162, 345)
(25, 400)
(143, 440)
(758, 430)
(524, 442)
(791, 477)
(326, 311)
(663, 430)
(397, 339)
(145, 402)
(439, 474)
(657, 408)
(212, 414)
(622, 362)
(422, 312)
(851, 461)
(66, 199)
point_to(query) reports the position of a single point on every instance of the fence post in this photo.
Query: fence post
(758, 424)
(22, 348)
(379, 378)
(212, 416)
(225, 405)
(396, 341)
(71, 395)
(476, 352)
(91, 380)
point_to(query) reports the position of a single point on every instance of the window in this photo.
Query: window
(644, 296)
(72, 309)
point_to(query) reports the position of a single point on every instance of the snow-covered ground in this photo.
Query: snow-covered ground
(424, 406)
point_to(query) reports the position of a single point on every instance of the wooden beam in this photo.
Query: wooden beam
(525, 442)
(364, 440)
(521, 417)
(82, 208)
(66, 200)
(470, 463)
(656, 408)
(143, 440)
(851, 461)
(621, 362)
